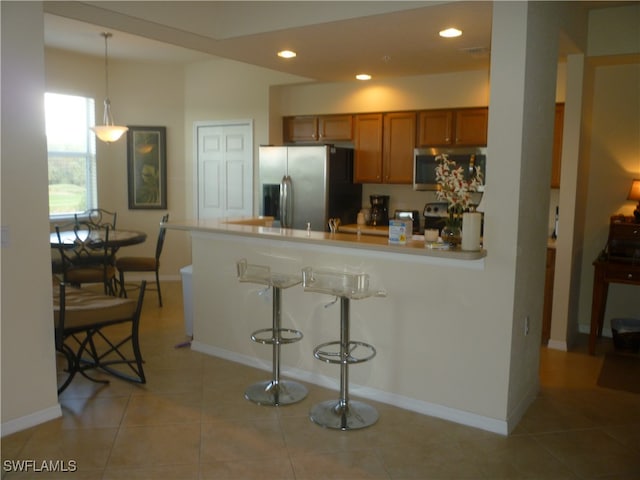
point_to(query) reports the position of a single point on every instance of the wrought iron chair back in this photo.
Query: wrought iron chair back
(86, 257)
(98, 217)
(83, 334)
(144, 264)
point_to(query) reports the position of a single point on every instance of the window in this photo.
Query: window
(71, 151)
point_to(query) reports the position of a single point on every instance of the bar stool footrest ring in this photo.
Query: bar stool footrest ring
(334, 356)
(278, 336)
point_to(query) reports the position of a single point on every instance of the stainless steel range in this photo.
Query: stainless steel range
(435, 215)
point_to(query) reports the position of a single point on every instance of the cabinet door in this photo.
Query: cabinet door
(557, 146)
(368, 148)
(471, 126)
(335, 127)
(399, 140)
(300, 129)
(435, 128)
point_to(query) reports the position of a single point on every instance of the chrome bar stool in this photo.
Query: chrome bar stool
(274, 391)
(344, 413)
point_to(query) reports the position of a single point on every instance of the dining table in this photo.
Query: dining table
(116, 240)
(94, 239)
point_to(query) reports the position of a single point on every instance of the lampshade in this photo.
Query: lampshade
(634, 193)
(109, 131)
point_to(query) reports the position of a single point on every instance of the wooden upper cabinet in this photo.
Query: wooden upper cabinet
(368, 148)
(335, 127)
(456, 127)
(556, 162)
(435, 127)
(399, 138)
(300, 129)
(317, 128)
(471, 126)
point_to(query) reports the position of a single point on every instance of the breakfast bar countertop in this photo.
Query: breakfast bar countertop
(261, 227)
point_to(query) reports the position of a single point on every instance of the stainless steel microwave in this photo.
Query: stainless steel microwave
(424, 164)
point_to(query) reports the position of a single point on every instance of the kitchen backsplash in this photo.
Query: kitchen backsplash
(404, 197)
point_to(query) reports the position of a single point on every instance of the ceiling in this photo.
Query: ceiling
(334, 40)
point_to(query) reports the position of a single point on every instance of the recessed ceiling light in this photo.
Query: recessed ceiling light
(450, 33)
(363, 76)
(286, 54)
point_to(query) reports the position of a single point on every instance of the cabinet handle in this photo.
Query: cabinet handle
(629, 276)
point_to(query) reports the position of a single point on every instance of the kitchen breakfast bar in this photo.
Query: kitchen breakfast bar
(426, 329)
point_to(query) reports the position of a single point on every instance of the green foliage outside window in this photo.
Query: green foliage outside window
(71, 153)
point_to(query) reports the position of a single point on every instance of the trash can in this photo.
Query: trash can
(626, 333)
(187, 298)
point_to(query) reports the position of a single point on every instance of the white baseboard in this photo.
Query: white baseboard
(557, 345)
(426, 408)
(31, 420)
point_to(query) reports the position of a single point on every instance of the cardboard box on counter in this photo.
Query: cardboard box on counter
(400, 231)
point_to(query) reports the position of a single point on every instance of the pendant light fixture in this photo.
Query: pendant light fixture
(108, 132)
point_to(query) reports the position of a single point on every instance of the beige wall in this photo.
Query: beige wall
(28, 359)
(147, 94)
(614, 160)
(486, 309)
(142, 94)
(222, 89)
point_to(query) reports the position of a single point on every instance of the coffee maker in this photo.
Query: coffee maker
(379, 210)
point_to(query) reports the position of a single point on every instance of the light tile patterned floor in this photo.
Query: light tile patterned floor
(191, 422)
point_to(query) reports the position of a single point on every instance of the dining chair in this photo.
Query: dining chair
(98, 217)
(88, 258)
(89, 334)
(144, 264)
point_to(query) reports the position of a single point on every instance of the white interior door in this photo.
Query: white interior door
(224, 173)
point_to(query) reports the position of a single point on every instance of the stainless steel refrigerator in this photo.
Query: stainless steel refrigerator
(307, 185)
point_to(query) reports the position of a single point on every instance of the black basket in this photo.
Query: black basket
(626, 334)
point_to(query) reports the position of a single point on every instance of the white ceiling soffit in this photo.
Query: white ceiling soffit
(334, 40)
(81, 37)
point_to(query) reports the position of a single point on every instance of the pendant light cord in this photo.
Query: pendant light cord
(106, 36)
(109, 131)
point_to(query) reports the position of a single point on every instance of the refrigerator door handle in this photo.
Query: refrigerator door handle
(286, 202)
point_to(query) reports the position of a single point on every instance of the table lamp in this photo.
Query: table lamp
(634, 194)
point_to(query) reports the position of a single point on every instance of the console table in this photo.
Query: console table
(619, 262)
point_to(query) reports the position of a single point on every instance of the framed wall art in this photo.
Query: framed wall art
(147, 167)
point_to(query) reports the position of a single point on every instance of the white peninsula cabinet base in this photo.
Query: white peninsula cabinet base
(431, 357)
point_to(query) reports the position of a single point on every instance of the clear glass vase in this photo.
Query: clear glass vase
(451, 235)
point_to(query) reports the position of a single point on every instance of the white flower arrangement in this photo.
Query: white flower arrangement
(454, 188)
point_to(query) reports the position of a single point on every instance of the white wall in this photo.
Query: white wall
(614, 160)
(220, 89)
(468, 322)
(28, 360)
(610, 149)
(142, 94)
(227, 90)
(448, 90)
(438, 351)
(614, 129)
